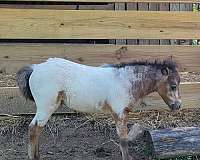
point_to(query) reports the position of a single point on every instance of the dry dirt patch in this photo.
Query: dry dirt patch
(86, 137)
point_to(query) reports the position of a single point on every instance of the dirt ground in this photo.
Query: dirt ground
(87, 137)
(64, 138)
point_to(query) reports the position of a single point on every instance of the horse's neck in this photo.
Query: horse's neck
(143, 81)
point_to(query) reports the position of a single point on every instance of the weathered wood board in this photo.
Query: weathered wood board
(115, 1)
(134, 7)
(38, 6)
(143, 7)
(154, 7)
(182, 141)
(120, 6)
(109, 6)
(12, 102)
(13, 56)
(93, 24)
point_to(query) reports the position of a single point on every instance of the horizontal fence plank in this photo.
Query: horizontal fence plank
(14, 56)
(11, 101)
(91, 24)
(114, 1)
(39, 6)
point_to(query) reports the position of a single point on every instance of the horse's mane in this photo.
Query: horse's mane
(157, 63)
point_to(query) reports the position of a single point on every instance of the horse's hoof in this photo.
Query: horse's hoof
(130, 158)
(36, 158)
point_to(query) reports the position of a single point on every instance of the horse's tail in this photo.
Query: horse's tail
(22, 78)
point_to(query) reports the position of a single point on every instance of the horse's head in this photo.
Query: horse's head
(168, 87)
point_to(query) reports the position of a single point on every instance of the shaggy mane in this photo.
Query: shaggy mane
(169, 63)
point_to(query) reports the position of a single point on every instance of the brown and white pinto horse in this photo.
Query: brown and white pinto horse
(113, 89)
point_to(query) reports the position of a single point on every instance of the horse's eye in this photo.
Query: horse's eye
(173, 87)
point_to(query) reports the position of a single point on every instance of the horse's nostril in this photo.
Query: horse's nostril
(173, 106)
(176, 106)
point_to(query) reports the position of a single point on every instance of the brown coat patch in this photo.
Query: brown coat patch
(60, 97)
(34, 133)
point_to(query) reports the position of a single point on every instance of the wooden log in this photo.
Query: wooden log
(12, 102)
(174, 142)
(95, 24)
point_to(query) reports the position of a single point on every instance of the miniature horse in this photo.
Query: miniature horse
(110, 89)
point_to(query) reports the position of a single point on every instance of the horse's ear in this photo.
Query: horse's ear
(165, 71)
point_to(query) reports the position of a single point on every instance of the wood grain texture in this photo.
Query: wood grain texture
(143, 7)
(185, 7)
(38, 6)
(12, 102)
(175, 7)
(13, 56)
(164, 7)
(82, 6)
(90, 24)
(115, 1)
(154, 7)
(109, 6)
(181, 141)
(133, 7)
(120, 6)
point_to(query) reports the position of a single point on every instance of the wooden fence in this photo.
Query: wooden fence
(31, 31)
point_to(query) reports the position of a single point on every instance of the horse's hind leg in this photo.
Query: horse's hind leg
(35, 129)
(44, 112)
(33, 146)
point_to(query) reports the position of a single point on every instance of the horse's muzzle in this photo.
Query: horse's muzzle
(175, 106)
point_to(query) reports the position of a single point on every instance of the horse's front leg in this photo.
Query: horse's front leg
(122, 131)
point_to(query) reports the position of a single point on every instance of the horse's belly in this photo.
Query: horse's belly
(83, 104)
(85, 108)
